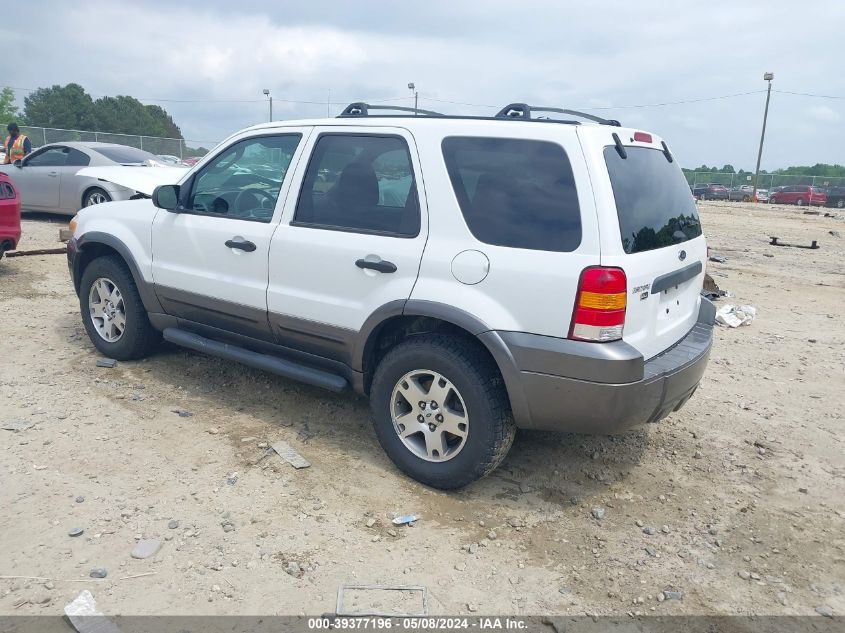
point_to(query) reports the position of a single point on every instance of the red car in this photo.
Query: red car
(10, 215)
(800, 195)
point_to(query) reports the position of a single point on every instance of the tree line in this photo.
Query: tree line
(70, 107)
(819, 170)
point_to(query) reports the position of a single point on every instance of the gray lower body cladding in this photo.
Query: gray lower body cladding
(562, 385)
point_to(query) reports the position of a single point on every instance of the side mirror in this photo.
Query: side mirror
(18, 163)
(166, 197)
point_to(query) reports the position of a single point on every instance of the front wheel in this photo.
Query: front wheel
(799, 202)
(112, 311)
(840, 203)
(440, 410)
(95, 196)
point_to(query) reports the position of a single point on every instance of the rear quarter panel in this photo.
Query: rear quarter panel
(525, 290)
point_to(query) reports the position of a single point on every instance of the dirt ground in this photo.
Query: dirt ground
(743, 487)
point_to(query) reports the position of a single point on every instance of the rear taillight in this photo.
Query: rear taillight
(642, 137)
(600, 305)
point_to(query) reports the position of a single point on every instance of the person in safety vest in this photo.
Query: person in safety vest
(16, 144)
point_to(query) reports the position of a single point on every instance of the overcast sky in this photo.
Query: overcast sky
(582, 55)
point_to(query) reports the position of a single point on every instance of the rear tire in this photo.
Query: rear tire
(472, 382)
(840, 203)
(799, 202)
(112, 310)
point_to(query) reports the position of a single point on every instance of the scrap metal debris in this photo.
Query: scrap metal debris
(84, 616)
(814, 245)
(287, 453)
(734, 316)
(108, 363)
(40, 251)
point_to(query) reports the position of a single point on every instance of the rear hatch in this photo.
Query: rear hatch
(650, 228)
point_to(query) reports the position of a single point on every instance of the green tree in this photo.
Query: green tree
(8, 109)
(68, 107)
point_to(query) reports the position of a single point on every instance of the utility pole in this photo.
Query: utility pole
(413, 88)
(767, 77)
(328, 103)
(269, 96)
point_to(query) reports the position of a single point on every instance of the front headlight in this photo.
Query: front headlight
(72, 225)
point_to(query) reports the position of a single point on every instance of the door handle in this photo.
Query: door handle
(53, 173)
(381, 265)
(243, 245)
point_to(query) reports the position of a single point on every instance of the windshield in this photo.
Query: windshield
(126, 155)
(653, 200)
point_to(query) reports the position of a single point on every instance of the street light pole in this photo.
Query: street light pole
(413, 88)
(767, 77)
(269, 96)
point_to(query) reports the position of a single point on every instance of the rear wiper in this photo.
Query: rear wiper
(619, 147)
(666, 152)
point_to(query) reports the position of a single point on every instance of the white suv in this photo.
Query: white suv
(470, 275)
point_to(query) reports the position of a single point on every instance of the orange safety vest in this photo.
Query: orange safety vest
(16, 152)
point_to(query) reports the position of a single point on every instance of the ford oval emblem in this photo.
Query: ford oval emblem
(682, 255)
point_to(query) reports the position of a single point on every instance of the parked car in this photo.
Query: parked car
(10, 215)
(742, 193)
(710, 191)
(762, 195)
(170, 161)
(191, 161)
(47, 178)
(799, 195)
(836, 197)
(543, 275)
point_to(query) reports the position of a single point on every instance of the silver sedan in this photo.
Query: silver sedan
(47, 177)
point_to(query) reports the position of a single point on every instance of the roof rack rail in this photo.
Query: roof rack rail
(363, 109)
(523, 111)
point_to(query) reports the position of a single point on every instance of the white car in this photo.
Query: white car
(469, 274)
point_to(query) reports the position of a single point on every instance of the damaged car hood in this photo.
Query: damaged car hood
(140, 179)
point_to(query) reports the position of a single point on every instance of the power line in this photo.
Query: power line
(807, 94)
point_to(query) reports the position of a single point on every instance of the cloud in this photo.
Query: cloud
(824, 114)
(476, 52)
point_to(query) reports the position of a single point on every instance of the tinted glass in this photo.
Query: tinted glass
(53, 157)
(515, 193)
(653, 201)
(125, 155)
(360, 183)
(75, 158)
(243, 182)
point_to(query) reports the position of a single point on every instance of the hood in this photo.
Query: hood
(140, 179)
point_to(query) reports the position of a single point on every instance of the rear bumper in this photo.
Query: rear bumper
(564, 385)
(10, 224)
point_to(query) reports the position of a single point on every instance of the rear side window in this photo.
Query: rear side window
(360, 183)
(124, 155)
(653, 200)
(515, 193)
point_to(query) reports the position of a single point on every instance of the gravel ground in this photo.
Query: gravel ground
(733, 505)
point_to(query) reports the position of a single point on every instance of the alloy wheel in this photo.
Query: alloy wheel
(108, 313)
(96, 198)
(429, 415)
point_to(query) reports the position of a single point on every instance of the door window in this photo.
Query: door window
(50, 157)
(75, 158)
(361, 183)
(243, 182)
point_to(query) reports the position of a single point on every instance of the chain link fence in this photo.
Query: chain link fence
(766, 181)
(182, 148)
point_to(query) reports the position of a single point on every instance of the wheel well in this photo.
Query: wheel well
(89, 190)
(393, 331)
(89, 253)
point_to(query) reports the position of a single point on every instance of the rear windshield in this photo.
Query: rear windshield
(515, 193)
(125, 155)
(653, 199)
